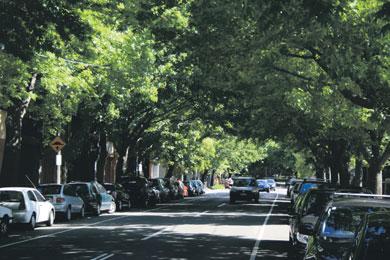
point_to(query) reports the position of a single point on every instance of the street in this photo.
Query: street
(205, 227)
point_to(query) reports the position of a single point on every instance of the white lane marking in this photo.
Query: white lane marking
(221, 205)
(104, 258)
(261, 233)
(201, 213)
(155, 234)
(68, 230)
(98, 257)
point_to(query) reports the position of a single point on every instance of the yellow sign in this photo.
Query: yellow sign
(57, 144)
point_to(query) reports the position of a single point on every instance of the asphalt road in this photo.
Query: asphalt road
(205, 227)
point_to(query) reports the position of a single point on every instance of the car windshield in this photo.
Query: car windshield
(271, 181)
(316, 202)
(262, 182)
(50, 189)
(109, 187)
(11, 196)
(80, 188)
(305, 187)
(342, 222)
(296, 186)
(243, 182)
(377, 242)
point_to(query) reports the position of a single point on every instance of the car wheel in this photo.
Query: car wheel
(120, 206)
(4, 226)
(50, 221)
(128, 205)
(68, 214)
(33, 222)
(112, 207)
(98, 210)
(82, 212)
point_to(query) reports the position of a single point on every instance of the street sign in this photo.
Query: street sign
(57, 144)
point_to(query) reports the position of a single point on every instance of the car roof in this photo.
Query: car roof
(359, 202)
(16, 188)
(243, 178)
(50, 184)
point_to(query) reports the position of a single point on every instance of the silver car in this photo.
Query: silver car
(64, 199)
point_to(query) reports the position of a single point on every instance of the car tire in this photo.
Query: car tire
(4, 223)
(68, 214)
(128, 204)
(112, 207)
(50, 221)
(120, 206)
(33, 222)
(98, 210)
(82, 212)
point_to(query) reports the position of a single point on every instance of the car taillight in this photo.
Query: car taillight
(60, 200)
(22, 205)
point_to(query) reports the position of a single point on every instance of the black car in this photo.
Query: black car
(305, 186)
(244, 188)
(373, 238)
(304, 216)
(290, 185)
(95, 197)
(159, 185)
(334, 233)
(305, 213)
(140, 192)
(122, 198)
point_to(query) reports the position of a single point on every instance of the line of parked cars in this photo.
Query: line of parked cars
(334, 223)
(41, 205)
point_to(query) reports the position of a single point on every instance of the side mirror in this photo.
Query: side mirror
(306, 229)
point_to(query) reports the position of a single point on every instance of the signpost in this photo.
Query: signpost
(57, 144)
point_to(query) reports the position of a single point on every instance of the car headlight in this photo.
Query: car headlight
(302, 238)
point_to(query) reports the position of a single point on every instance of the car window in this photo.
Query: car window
(377, 242)
(307, 186)
(69, 190)
(11, 196)
(343, 222)
(316, 203)
(50, 189)
(243, 182)
(81, 188)
(100, 188)
(31, 196)
(39, 196)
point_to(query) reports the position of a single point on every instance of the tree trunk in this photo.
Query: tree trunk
(102, 157)
(357, 180)
(170, 170)
(212, 178)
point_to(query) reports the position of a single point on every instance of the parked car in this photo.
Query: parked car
(373, 238)
(244, 188)
(5, 220)
(121, 197)
(263, 185)
(140, 192)
(305, 186)
(200, 186)
(173, 189)
(64, 199)
(272, 184)
(95, 197)
(290, 185)
(159, 185)
(334, 233)
(28, 206)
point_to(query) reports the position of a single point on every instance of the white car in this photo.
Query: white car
(28, 206)
(5, 220)
(64, 199)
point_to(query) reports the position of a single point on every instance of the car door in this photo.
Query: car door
(106, 198)
(70, 196)
(44, 207)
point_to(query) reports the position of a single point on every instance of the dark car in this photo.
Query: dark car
(305, 186)
(122, 198)
(244, 188)
(95, 197)
(263, 185)
(140, 192)
(373, 238)
(290, 185)
(200, 186)
(334, 233)
(159, 185)
(173, 189)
